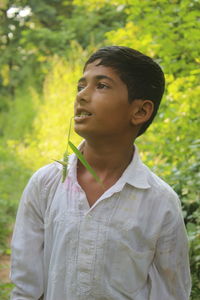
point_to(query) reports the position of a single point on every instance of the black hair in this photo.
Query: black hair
(143, 77)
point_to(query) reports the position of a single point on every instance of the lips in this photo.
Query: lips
(81, 114)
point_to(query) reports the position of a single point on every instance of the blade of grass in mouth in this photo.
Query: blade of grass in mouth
(84, 162)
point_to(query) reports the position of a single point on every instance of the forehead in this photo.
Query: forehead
(94, 69)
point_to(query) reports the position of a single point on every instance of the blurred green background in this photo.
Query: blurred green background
(43, 46)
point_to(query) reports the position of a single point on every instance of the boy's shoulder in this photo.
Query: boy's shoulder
(161, 189)
(43, 185)
(157, 182)
(47, 175)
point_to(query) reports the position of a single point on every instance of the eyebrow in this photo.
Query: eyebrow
(97, 77)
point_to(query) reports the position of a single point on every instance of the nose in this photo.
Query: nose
(83, 95)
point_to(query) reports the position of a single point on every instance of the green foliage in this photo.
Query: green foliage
(48, 139)
(166, 30)
(13, 177)
(5, 289)
(33, 31)
(15, 125)
(25, 107)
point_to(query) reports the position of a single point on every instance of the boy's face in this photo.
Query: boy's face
(101, 108)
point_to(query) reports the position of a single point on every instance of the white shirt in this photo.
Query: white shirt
(130, 245)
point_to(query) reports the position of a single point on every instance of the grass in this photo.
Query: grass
(5, 290)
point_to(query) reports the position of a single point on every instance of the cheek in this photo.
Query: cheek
(115, 108)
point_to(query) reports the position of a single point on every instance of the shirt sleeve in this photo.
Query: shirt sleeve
(170, 271)
(27, 246)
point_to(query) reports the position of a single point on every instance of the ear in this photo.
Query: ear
(141, 111)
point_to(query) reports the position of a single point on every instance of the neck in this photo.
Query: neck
(108, 158)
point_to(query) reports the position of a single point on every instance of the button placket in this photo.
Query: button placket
(86, 253)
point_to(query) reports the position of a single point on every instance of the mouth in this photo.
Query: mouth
(82, 114)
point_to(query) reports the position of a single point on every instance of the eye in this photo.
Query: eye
(80, 87)
(101, 85)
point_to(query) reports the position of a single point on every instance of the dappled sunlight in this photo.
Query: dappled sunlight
(48, 138)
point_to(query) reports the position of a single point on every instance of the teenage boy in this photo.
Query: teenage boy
(124, 238)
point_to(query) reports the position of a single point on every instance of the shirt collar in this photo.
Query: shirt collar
(135, 174)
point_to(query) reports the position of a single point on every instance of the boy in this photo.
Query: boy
(123, 239)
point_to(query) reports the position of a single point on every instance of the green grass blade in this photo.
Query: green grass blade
(65, 157)
(64, 163)
(84, 162)
(64, 174)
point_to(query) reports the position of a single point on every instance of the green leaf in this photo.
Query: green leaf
(84, 162)
(64, 173)
(64, 163)
(65, 157)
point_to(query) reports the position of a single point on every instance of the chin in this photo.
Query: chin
(81, 132)
(86, 134)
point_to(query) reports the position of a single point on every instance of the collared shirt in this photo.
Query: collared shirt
(131, 244)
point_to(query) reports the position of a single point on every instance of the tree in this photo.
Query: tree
(34, 31)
